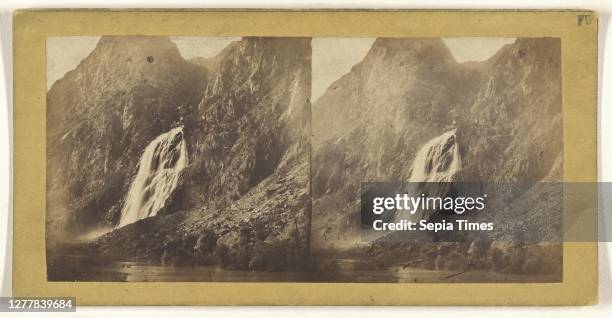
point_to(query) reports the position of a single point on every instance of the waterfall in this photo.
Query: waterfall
(433, 168)
(158, 175)
(438, 160)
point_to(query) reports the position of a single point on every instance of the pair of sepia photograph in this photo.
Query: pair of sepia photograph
(222, 159)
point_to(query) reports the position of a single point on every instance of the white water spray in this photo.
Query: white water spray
(158, 176)
(438, 160)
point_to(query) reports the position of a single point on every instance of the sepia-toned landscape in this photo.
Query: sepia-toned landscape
(242, 159)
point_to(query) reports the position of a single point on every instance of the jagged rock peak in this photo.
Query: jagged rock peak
(418, 49)
(139, 48)
(125, 58)
(264, 52)
(530, 51)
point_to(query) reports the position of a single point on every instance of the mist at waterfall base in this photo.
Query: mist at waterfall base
(433, 170)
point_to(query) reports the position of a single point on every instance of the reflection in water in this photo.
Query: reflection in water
(348, 271)
(77, 268)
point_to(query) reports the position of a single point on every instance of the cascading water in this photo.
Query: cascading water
(434, 167)
(438, 160)
(158, 176)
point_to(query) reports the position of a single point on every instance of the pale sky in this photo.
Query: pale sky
(331, 57)
(64, 53)
(475, 49)
(192, 46)
(334, 57)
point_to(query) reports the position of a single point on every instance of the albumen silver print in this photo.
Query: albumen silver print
(190, 158)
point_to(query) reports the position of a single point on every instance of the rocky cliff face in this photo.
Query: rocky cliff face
(244, 199)
(246, 123)
(253, 119)
(404, 93)
(101, 116)
(515, 121)
(250, 146)
(408, 91)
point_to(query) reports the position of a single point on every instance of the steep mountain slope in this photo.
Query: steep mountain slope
(515, 122)
(242, 197)
(246, 188)
(101, 116)
(213, 63)
(408, 91)
(253, 118)
(369, 125)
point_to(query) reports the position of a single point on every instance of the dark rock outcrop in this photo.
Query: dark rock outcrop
(253, 119)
